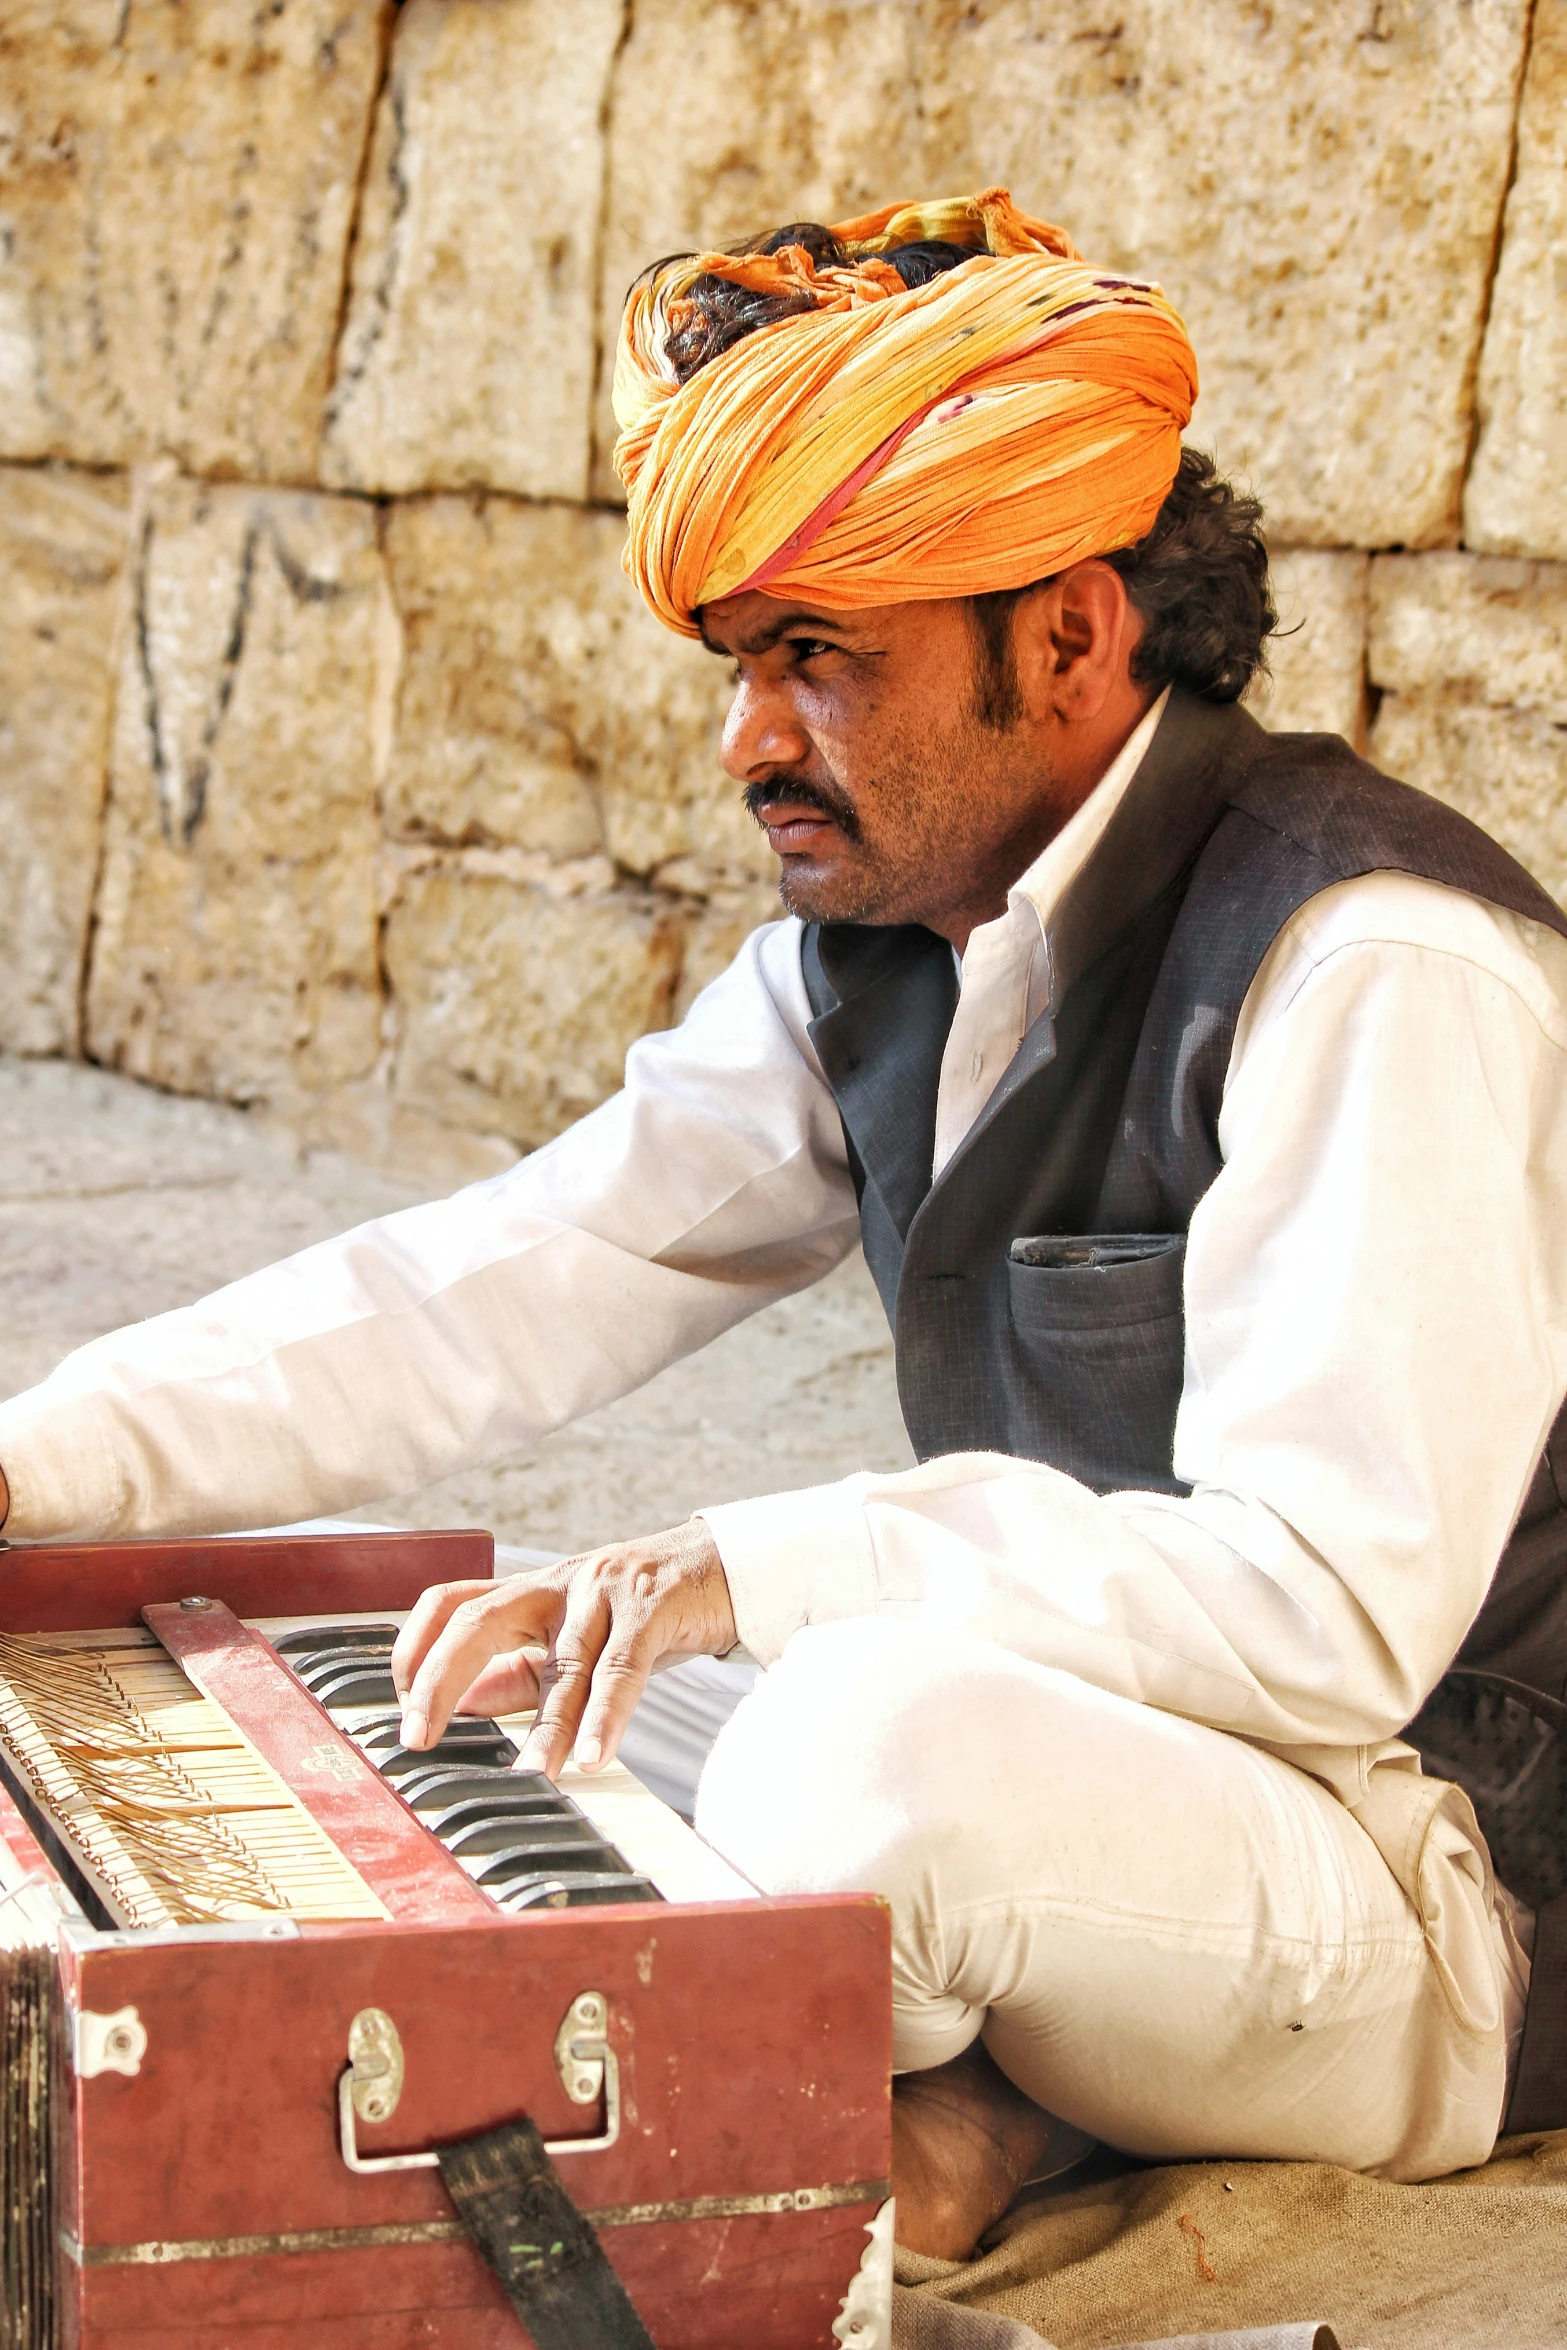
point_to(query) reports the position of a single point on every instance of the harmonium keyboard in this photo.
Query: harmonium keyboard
(259, 1964)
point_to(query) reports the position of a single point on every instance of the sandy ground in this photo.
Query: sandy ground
(117, 1202)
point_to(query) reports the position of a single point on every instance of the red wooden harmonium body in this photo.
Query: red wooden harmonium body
(201, 2195)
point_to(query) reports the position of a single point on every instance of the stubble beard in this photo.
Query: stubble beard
(842, 897)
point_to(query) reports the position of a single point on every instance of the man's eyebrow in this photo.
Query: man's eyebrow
(758, 640)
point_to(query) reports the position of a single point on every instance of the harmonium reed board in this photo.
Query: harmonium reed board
(257, 1962)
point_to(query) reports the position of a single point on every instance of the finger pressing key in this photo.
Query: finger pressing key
(426, 1619)
(459, 1641)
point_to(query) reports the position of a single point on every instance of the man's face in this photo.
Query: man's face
(871, 750)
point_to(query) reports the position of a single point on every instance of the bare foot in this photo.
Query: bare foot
(963, 2142)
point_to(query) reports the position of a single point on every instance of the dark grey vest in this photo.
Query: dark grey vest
(1106, 1122)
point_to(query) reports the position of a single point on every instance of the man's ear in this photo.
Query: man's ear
(1073, 639)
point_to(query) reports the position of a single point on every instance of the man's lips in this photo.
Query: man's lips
(793, 831)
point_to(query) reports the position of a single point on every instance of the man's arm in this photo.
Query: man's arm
(448, 1334)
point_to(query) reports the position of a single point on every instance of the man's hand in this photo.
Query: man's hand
(578, 1640)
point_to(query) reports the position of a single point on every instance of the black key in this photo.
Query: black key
(597, 1892)
(536, 1893)
(404, 1761)
(514, 1830)
(320, 1639)
(473, 1735)
(588, 1852)
(445, 1783)
(574, 1892)
(390, 1718)
(518, 1808)
(473, 1731)
(321, 1663)
(462, 1730)
(385, 1729)
(378, 1737)
(367, 1684)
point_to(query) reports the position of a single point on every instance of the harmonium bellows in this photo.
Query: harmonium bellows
(259, 1964)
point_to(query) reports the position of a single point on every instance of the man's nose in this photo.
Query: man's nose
(761, 732)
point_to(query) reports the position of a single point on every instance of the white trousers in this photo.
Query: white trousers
(1167, 1937)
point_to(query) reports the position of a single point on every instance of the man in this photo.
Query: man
(1201, 1100)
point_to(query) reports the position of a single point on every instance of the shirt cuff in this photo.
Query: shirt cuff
(64, 1481)
(793, 1559)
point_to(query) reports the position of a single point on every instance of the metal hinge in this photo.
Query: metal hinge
(864, 2319)
(371, 2086)
(107, 2043)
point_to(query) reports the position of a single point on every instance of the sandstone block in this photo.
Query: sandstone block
(469, 350)
(1317, 190)
(1505, 768)
(516, 1004)
(1317, 660)
(1470, 655)
(541, 706)
(62, 546)
(1516, 499)
(487, 744)
(236, 946)
(180, 190)
(1471, 628)
(717, 931)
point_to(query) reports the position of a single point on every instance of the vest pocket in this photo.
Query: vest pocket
(1093, 1252)
(1098, 1340)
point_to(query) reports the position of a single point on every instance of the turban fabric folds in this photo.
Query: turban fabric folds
(1020, 412)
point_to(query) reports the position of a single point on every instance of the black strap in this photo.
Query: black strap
(1539, 2098)
(548, 2257)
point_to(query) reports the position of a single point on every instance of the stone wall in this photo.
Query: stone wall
(344, 773)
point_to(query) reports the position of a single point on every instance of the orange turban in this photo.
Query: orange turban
(1018, 413)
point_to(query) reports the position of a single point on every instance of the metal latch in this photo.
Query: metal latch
(375, 2065)
(582, 2048)
(108, 2043)
(372, 2083)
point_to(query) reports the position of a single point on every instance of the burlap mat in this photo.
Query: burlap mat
(921, 2324)
(1473, 2262)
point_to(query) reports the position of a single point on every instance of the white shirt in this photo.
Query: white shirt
(1376, 1303)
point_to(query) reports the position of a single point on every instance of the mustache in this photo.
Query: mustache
(791, 788)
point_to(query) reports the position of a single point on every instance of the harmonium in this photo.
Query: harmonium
(268, 1981)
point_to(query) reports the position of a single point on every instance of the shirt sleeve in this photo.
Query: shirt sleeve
(1376, 1348)
(424, 1342)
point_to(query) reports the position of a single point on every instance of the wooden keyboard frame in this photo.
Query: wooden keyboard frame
(203, 2202)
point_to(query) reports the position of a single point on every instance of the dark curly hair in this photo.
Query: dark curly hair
(1199, 577)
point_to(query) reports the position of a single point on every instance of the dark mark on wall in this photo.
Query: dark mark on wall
(181, 789)
(354, 364)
